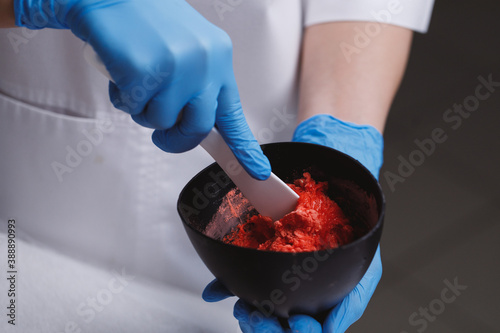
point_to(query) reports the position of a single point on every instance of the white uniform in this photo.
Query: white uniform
(80, 177)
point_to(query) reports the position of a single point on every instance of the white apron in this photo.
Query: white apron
(82, 178)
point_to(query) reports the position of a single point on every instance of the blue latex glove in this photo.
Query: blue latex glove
(362, 142)
(164, 58)
(365, 144)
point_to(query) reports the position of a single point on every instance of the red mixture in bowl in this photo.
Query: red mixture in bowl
(317, 223)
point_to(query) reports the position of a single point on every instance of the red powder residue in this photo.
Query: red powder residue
(317, 223)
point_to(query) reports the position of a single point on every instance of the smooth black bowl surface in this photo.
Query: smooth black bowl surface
(283, 283)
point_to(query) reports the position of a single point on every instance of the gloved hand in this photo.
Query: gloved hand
(365, 144)
(164, 58)
(362, 142)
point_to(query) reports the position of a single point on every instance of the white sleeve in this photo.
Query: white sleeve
(411, 14)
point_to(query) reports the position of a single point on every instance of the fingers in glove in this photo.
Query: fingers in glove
(234, 129)
(215, 292)
(253, 321)
(304, 324)
(193, 125)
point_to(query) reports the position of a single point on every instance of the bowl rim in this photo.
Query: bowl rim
(361, 239)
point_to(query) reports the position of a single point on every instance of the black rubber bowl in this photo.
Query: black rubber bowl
(282, 283)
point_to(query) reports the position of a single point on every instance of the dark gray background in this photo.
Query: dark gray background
(442, 222)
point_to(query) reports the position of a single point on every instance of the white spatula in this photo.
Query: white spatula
(271, 197)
